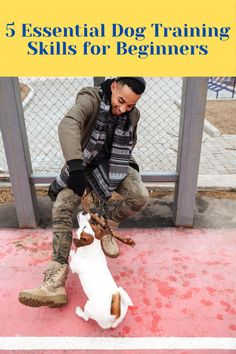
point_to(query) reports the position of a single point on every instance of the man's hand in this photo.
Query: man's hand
(53, 190)
(77, 180)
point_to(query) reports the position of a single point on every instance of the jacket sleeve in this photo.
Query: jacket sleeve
(70, 127)
(135, 130)
(132, 161)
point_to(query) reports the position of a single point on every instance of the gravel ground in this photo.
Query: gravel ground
(222, 114)
(6, 195)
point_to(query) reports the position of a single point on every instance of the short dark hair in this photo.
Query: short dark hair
(137, 84)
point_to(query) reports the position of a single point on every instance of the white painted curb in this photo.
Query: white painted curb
(211, 129)
(117, 343)
(208, 127)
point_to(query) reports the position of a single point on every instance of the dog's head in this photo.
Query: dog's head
(85, 233)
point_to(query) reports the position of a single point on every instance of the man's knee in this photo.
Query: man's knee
(134, 191)
(65, 204)
(138, 201)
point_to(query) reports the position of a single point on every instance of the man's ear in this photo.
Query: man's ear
(113, 86)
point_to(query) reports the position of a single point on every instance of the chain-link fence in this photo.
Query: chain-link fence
(47, 99)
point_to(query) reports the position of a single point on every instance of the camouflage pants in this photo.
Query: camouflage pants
(134, 198)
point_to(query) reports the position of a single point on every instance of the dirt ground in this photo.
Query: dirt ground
(6, 195)
(222, 114)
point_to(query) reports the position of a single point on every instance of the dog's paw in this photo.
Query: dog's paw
(79, 312)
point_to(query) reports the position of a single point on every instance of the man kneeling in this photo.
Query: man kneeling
(97, 137)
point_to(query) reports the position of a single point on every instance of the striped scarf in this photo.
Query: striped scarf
(105, 177)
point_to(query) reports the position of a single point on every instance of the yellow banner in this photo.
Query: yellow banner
(92, 38)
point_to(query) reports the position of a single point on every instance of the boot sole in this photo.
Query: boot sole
(32, 301)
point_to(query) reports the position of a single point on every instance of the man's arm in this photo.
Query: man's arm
(70, 135)
(70, 127)
(135, 128)
(132, 161)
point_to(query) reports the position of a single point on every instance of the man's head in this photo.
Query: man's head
(125, 93)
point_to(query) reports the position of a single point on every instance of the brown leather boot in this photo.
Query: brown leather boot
(52, 292)
(108, 242)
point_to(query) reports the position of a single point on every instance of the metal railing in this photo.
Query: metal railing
(168, 148)
(48, 99)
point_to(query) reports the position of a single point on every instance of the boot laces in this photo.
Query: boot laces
(108, 238)
(50, 273)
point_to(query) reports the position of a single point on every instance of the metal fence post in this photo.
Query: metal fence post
(17, 152)
(193, 103)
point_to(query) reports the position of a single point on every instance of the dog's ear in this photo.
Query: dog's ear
(76, 242)
(84, 240)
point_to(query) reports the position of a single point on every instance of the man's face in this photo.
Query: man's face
(123, 99)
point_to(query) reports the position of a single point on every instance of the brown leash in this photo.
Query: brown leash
(105, 226)
(102, 222)
(85, 202)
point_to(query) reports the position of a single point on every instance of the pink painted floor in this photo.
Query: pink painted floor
(182, 283)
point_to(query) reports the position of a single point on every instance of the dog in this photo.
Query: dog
(107, 303)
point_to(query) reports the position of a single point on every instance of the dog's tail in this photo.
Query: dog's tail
(120, 297)
(115, 305)
(125, 297)
(124, 304)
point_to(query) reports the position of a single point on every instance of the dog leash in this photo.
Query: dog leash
(105, 226)
(103, 210)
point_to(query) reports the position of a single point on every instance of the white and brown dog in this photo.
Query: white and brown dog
(107, 303)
